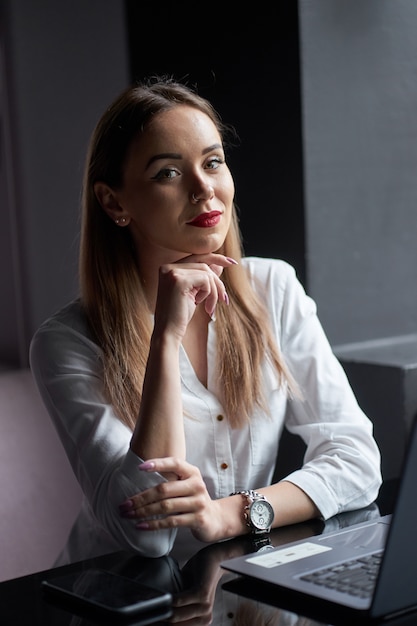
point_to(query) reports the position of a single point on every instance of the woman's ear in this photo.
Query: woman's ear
(108, 201)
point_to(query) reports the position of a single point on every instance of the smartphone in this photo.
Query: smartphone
(108, 593)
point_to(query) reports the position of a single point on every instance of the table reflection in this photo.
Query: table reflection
(196, 581)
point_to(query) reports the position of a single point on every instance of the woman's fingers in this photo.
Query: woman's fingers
(217, 262)
(172, 503)
(171, 464)
(198, 282)
(210, 292)
(211, 262)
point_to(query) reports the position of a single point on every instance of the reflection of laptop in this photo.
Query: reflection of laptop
(296, 566)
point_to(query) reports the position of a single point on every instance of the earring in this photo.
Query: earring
(120, 221)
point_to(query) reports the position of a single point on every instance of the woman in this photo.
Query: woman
(172, 376)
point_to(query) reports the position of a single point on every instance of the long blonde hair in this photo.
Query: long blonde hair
(111, 290)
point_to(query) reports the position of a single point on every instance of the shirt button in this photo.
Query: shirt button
(224, 465)
(220, 418)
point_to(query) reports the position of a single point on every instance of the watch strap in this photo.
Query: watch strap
(251, 496)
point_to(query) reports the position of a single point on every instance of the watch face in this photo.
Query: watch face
(261, 514)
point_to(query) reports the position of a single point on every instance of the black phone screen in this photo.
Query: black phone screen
(107, 592)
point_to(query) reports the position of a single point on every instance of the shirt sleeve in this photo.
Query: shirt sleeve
(66, 365)
(341, 469)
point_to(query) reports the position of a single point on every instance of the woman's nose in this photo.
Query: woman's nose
(205, 193)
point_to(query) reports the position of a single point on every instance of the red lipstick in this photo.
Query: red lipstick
(206, 220)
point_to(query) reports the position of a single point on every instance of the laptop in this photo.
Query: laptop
(308, 569)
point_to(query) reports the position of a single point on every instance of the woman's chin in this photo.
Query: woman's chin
(209, 244)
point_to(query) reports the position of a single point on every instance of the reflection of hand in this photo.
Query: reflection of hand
(201, 576)
(251, 613)
(194, 605)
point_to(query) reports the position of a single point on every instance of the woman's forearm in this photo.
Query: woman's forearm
(159, 430)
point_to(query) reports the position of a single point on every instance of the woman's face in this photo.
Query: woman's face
(177, 159)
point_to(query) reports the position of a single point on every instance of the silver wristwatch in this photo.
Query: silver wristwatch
(258, 512)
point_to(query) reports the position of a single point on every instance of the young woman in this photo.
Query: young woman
(172, 376)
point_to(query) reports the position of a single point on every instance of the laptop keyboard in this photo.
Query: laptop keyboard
(356, 577)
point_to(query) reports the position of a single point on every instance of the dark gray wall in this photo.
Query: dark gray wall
(62, 62)
(359, 95)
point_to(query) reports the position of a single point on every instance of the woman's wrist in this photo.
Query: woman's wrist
(232, 515)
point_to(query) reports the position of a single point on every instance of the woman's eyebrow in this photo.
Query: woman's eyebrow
(177, 156)
(163, 155)
(215, 146)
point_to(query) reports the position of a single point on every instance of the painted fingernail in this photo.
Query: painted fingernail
(128, 514)
(146, 466)
(142, 526)
(126, 506)
(229, 258)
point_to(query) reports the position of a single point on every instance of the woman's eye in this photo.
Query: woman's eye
(214, 163)
(165, 173)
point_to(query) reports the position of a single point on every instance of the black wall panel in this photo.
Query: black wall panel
(247, 64)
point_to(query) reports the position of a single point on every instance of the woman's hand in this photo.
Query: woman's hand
(184, 502)
(185, 284)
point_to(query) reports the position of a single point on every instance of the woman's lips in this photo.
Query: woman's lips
(206, 220)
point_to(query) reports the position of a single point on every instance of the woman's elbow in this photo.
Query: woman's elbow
(148, 543)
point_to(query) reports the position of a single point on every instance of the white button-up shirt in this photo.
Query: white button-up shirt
(341, 469)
